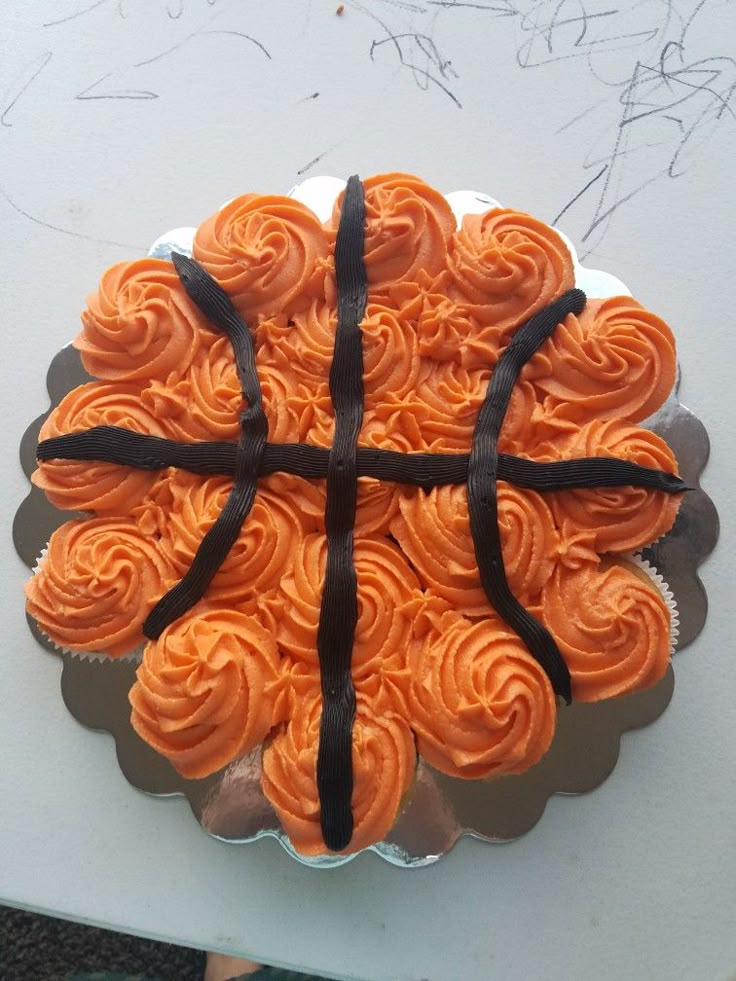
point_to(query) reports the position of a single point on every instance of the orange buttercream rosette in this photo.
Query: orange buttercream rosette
(384, 763)
(432, 664)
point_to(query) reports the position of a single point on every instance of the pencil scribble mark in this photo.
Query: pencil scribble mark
(551, 36)
(66, 231)
(316, 160)
(88, 95)
(200, 33)
(501, 8)
(246, 37)
(414, 8)
(438, 71)
(580, 193)
(702, 92)
(310, 98)
(77, 13)
(178, 10)
(579, 116)
(36, 68)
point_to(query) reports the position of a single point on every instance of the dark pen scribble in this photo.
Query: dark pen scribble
(77, 13)
(67, 231)
(37, 67)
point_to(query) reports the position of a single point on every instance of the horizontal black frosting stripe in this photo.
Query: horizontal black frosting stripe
(482, 487)
(214, 547)
(339, 607)
(112, 444)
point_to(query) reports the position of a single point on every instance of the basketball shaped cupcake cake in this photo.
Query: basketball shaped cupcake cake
(360, 489)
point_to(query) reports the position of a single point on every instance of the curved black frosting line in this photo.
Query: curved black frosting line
(481, 488)
(339, 608)
(214, 547)
(112, 444)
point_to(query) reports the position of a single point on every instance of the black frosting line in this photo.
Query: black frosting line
(339, 607)
(113, 444)
(482, 488)
(214, 547)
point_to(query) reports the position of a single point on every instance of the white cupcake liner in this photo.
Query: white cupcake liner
(636, 558)
(134, 656)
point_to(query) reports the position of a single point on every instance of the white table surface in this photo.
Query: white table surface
(123, 118)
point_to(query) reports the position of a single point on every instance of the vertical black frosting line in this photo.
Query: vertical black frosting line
(214, 547)
(339, 607)
(482, 495)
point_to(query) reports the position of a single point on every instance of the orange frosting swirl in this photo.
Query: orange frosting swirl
(208, 401)
(395, 424)
(378, 505)
(96, 585)
(443, 326)
(83, 485)
(270, 537)
(615, 359)
(453, 396)
(384, 761)
(612, 627)
(140, 324)
(205, 691)
(306, 347)
(387, 591)
(206, 404)
(433, 530)
(507, 266)
(306, 341)
(390, 355)
(269, 252)
(408, 226)
(621, 518)
(481, 705)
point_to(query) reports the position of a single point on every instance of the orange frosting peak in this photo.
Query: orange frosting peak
(105, 488)
(481, 705)
(621, 518)
(263, 550)
(408, 226)
(140, 324)
(615, 360)
(612, 627)
(270, 253)
(507, 265)
(384, 762)
(206, 690)
(433, 530)
(387, 590)
(96, 584)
